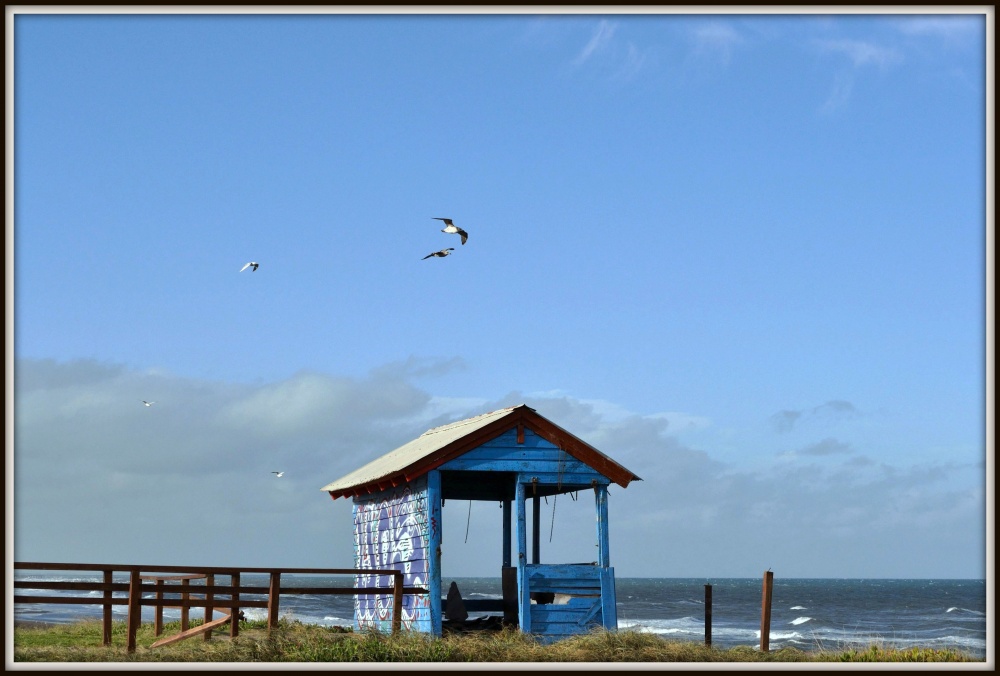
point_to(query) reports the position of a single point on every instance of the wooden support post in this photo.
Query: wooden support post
(158, 610)
(536, 516)
(603, 540)
(234, 626)
(765, 612)
(185, 611)
(708, 614)
(273, 594)
(108, 579)
(523, 592)
(397, 602)
(209, 597)
(134, 609)
(434, 503)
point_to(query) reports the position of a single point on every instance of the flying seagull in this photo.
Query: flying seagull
(451, 228)
(250, 264)
(440, 254)
(278, 473)
(148, 403)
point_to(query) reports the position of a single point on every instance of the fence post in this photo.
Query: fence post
(273, 594)
(397, 602)
(107, 607)
(134, 608)
(158, 618)
(765, 612)
(708, 614)
(209, 596)
(234, 617)
(185, 595)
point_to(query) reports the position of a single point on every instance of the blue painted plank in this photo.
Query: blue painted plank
(564, 570)
(552, 614)
(526, 465)
(519, 453)
(609, 599)
(581, 480)
(509, 438)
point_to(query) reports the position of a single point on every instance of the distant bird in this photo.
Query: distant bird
(440, 254)
(451, 228)
(250, 264)
(148, 403)
(278, 473)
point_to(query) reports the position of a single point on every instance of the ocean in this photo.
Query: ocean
(809, 614)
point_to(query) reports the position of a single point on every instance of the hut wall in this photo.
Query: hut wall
(536, 456)
(392, 529)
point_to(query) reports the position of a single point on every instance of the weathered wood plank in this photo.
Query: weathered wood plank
(502, 452)
(563, 571)
(72, 586)
(523, 465)
(71, 600)
(548, 616)
(580, 481)
(208, 626)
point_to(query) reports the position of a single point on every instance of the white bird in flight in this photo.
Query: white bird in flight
(440, 254)
(451, 228)
(279, 474)
(250, 264)
(148, 403)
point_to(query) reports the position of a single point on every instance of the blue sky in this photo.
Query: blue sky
(743, 255)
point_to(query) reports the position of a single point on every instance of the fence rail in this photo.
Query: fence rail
(213, 598)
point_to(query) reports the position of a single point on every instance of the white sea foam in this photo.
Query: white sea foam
(800, 620)
(797, 608)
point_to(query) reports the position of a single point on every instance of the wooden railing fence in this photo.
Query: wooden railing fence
(229, 598)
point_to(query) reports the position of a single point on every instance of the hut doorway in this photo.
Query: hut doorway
(479, 562)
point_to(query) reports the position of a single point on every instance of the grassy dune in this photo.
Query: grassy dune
(296, 642)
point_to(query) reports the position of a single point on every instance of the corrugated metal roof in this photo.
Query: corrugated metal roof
(438, 445)
(395, 462)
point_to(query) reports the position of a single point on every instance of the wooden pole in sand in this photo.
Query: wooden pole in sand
(708, 614)
(765, 612)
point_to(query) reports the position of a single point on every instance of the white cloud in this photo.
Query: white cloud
(602, 36)
(205, 458)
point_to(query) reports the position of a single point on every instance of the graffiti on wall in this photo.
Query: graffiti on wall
(391, 531)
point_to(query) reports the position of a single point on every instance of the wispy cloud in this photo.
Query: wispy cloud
(822, 448)
(951, 28)
(620, 59)
(784, 421)
(599, 41)
(862, 53)
(716, 40)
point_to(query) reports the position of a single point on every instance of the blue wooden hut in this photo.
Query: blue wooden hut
(511, 455)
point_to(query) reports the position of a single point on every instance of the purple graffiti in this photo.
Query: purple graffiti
(390, 531)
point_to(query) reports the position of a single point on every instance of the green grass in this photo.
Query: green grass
(293, 641)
